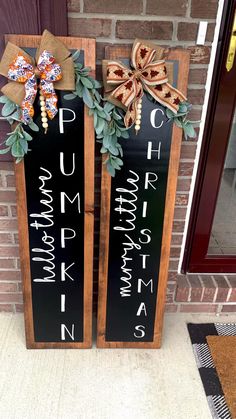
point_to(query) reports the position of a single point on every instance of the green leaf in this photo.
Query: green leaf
(86, 82)
(95, 119)
(8, 108)
(189, 131)
(33, 126)
(69, 96)
(108, 106)
(178, 122)
(115, 164)
(5, 150)
(97, 84)
(76, 55)
(79, 89)
(100, 126)
(110, 169)
(125, 134)
(87, 98)
(19, 159)
(26, 136)
(103, 150)
(11, 139)
(4, 99)
(17, 150)
(24, 145)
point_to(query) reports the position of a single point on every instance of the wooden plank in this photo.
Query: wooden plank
(88, 45)
(183, 60)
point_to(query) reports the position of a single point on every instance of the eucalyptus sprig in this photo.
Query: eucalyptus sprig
(180, 119)
(108, 119)
(17, 140)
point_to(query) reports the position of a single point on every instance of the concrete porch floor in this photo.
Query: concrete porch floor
(102, 383)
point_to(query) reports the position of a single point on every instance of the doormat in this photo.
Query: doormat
(223, 352)
(207, 367)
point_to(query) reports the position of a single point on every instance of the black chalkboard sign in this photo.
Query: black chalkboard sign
(55, 212)
(138, 202)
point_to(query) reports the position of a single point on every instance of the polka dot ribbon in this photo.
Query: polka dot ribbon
(146, 74)
(22, 71)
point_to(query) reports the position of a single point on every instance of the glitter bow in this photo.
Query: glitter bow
(125, 86)
(54, 64)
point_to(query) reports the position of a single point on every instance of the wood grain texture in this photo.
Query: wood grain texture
(183, 58)
(88, 45)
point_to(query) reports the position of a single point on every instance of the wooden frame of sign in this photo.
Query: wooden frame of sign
(182, 57)
(88, 46)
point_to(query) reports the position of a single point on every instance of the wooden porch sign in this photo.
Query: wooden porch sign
(55, 200)
(137, 208)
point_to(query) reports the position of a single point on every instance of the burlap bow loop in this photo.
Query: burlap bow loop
(54, 65)
(125, 86)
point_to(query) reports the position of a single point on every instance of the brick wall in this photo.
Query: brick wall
(169, 23)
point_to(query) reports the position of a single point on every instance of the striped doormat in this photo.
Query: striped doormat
(205, 363)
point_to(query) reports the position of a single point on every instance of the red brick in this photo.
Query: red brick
(198, 308)
(178, 226)
(173, 276)
(169, 298)
(175, 252)
(183, 184)
(7, 166)
(205, 9)
(171, 308)
(8, 287)
(13, 211)
(197, 76)
(73, 5)
(149, 29)
(19, 308)
(3, 211)
(209, 289)
(11, 181)
(180, 213)
(19, 286)
(171, 287)
(199, 54)
(167, 7)
(195, 288)
(188, 31)
(8, 225)
(196, 96)
(223, 288)
(181, 200)
(9, 251)
(89, 27)
(10, 275)
(185, 169)
(11, 298)
(132, 7)
(176, 239)
(232, 281)
(7, 308)
(173, 265)
(195, 115)
(5, 238)
(231, 308)
(188, 150)
(7, 196)
(7, 263)
(182, 290)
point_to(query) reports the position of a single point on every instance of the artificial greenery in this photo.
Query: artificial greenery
(17, 140)
(108, 120)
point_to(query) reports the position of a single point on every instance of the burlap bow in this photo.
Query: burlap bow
(147, 73)
(54, 64)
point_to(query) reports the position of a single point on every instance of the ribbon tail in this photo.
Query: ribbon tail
(28, 101)
(50, 98)
(166, 95)
(131, 114)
